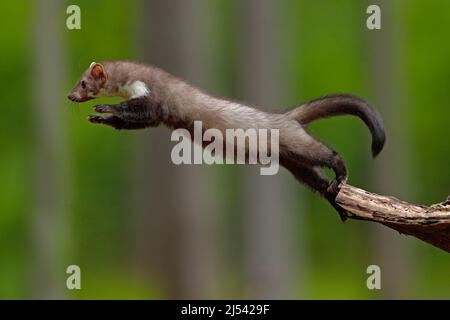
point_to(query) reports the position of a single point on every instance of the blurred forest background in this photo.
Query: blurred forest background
(140, 227)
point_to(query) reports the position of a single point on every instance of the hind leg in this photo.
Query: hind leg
(315, 179)
(338, 166)
(315, 154)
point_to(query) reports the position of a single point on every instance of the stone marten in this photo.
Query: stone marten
(153, 97)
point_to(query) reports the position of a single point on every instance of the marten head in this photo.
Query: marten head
(90, 84)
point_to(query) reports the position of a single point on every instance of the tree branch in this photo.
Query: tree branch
(428, 223)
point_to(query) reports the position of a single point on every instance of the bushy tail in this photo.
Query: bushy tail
(344, 104)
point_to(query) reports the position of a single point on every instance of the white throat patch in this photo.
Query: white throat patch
(135, 90)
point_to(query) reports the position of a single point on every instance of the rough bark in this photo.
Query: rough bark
(427, 223)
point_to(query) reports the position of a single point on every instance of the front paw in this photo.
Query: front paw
(112, 121)
(95, 119)
(103, 108)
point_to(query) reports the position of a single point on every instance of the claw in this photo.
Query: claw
(95, 119)
(110, 120)
(343, 215)
(334, 187)
(102, 108)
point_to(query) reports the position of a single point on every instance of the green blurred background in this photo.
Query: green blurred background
(141, 228)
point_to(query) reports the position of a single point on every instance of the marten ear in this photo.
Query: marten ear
(98, 72)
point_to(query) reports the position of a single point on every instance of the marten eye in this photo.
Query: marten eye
(83, 84)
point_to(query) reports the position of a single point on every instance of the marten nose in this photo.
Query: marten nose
(71, 97)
